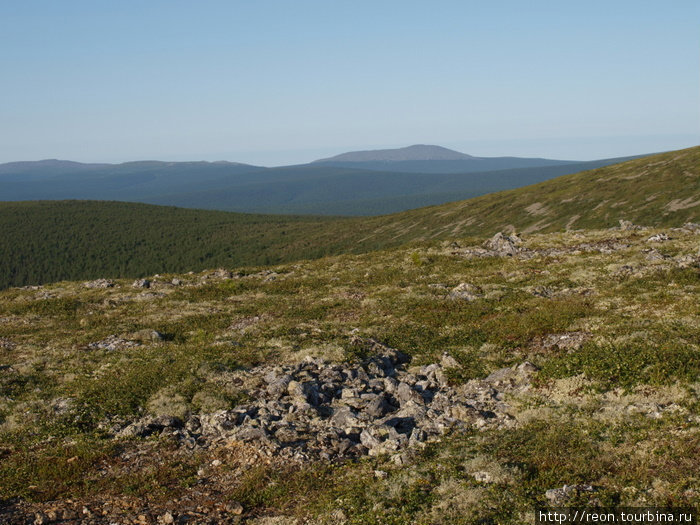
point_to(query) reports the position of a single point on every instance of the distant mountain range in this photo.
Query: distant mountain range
(356, 183)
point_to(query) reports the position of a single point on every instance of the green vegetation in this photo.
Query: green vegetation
(616, 409)
(50, 241)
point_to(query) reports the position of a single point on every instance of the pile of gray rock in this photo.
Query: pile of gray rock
(626, 225)
(315, 409)
(500, 245)
(134, 339)
(112, 343)
(466, 292)
(99, 283)
(659, 237)
(511, 245)
(567, 493)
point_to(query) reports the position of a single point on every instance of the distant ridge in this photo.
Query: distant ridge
(332, 188)
(409, 153)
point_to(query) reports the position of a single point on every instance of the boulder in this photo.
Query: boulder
(378, 407)
(560, 496)
(504, 245)
(405, 394)
(466, 292)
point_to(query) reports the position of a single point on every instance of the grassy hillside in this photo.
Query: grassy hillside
(660, 190)
(578, 358)
(49, 241)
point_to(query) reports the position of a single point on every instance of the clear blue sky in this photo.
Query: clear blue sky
(276, 82)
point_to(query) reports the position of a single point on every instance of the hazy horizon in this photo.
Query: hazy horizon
(273, 83)
(494, 149)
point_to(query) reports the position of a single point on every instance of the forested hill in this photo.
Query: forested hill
(45, 241)
(54, 240)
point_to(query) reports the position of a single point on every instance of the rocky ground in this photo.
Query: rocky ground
(317, 410)
(449, 382)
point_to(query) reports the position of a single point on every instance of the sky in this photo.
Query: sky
(274, 82)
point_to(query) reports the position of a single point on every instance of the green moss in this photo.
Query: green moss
(628, 365)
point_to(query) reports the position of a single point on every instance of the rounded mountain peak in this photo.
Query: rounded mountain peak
(409, 153)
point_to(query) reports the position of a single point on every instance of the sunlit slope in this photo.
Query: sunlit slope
(659, 190)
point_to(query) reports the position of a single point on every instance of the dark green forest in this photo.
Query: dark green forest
(46, 241)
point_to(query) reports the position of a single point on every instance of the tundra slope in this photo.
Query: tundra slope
(447, 382)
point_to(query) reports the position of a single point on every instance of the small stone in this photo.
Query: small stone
(251, 434)
(348, 393)
(148, 335)
(70, 514)
(627, 225)
(405, 394)
(345, 445)
(295, 389)
(380, 474)
(466, 292)
(378, 407)
(482, 476)
(279, 386)
(448, 361)
(166, 519)
(234, 508)
(654, 255)
(216, 463)
(399, 459)
(222, 273)
(368, 440)
(527, 367)
(561, 495)
(287, 435)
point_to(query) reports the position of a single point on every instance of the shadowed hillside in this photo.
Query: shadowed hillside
(308, 189)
